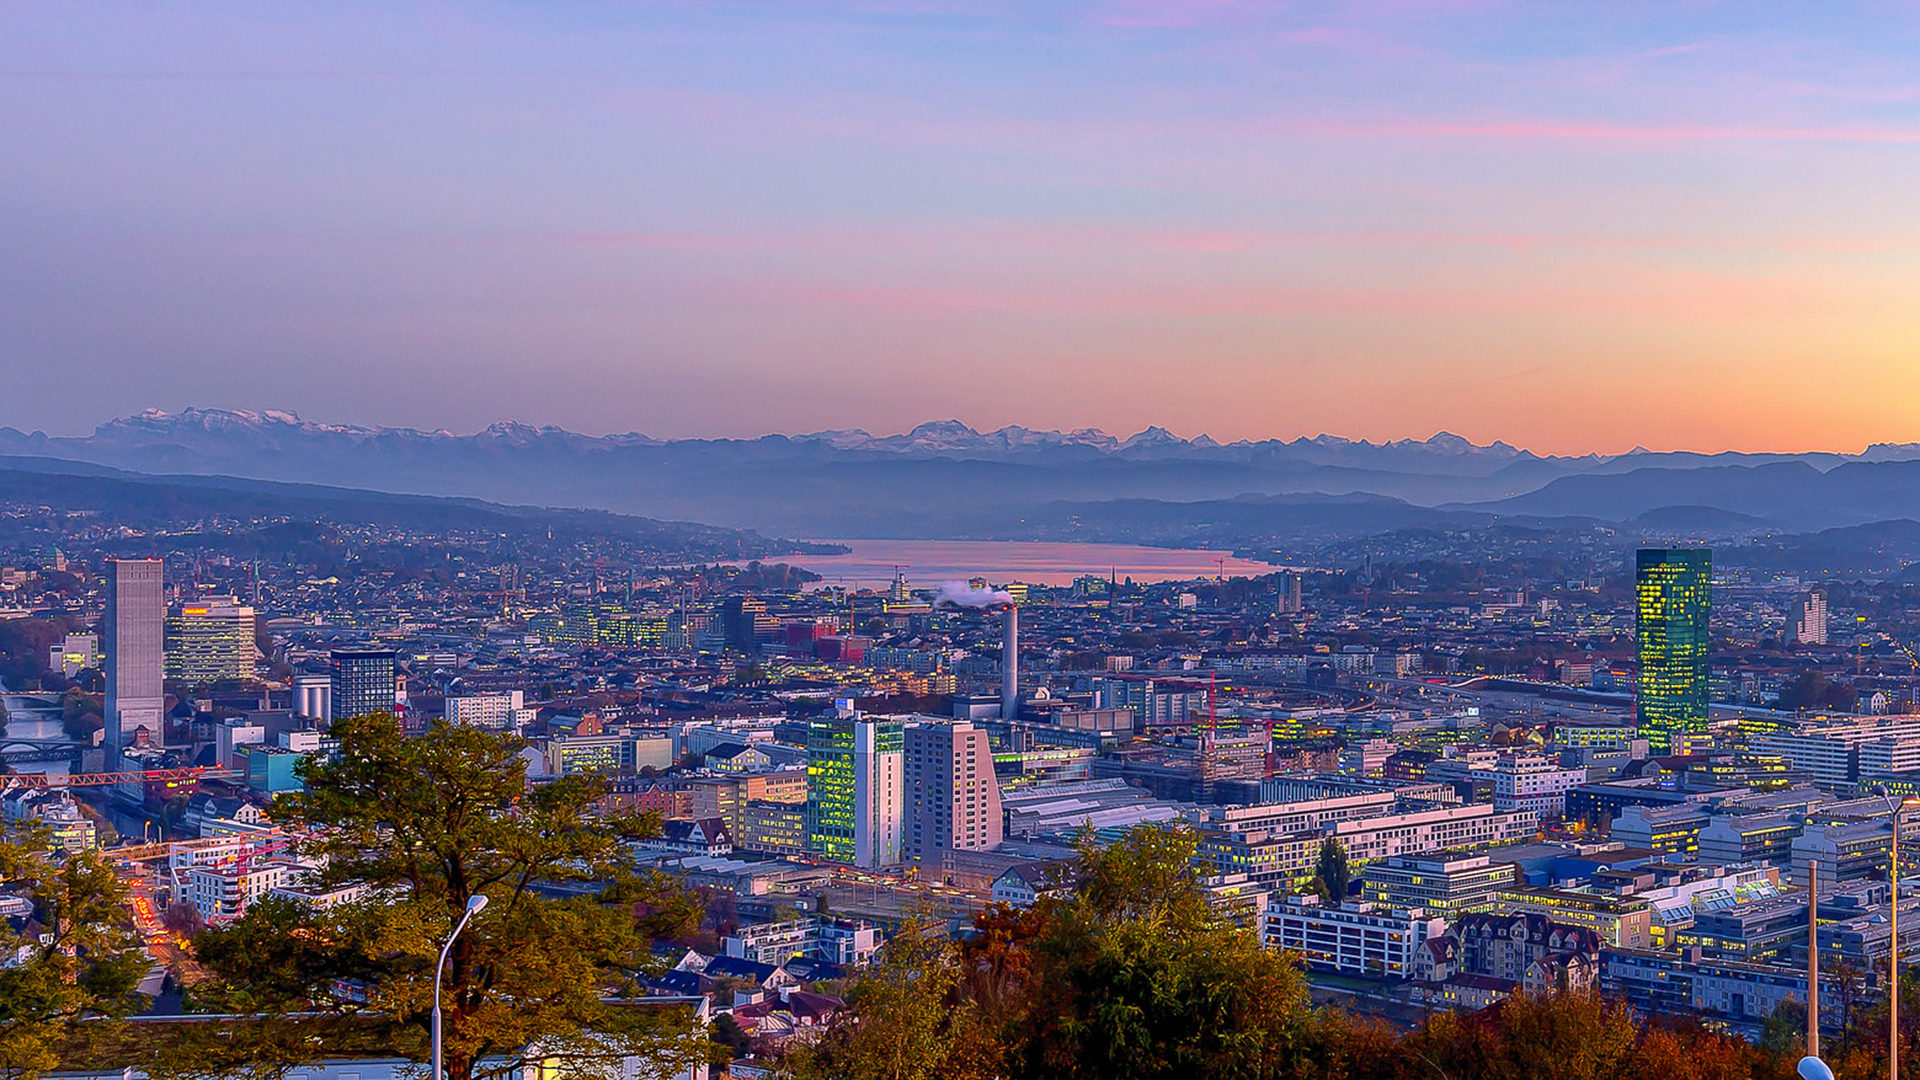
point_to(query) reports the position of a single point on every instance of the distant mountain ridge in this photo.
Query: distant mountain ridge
(946, 479)
(932, 437)
(144, 502)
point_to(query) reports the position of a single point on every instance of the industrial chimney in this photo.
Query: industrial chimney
(1010, 667)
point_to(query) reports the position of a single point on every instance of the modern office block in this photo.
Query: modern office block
(1673, 599)
(364, 681)
(210, 641)
(856, 790)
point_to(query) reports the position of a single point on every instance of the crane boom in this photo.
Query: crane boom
(12, 781)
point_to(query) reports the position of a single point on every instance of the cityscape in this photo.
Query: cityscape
(874, 540)
(1634, 780)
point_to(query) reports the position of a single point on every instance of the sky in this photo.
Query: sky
(1575, 227)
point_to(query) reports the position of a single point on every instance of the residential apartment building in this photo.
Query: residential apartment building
(953, 794)
(496, 712)
(1531, 782)
(837, 941)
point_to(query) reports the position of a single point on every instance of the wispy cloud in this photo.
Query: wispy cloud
(1584, 131)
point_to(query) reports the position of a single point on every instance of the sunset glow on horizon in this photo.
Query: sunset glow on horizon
(1574, 228)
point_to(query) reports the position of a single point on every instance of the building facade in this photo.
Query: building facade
(1357, 939)
(856, 789)
(1531, 782)
(1673, 599)
(498, 712)
(1449, 884)
(210, 641)
(364, 681)
(1807, 625)
(953, 792)
(135, 621)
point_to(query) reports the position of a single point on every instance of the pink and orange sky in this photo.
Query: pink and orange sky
(1570, 226)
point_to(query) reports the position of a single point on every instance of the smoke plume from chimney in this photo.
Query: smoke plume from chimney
(959, 594)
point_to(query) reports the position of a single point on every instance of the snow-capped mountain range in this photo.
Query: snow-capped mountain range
(944, 478)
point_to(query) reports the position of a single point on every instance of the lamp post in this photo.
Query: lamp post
(1811, 1067)
(474, 904)
(1893, 931)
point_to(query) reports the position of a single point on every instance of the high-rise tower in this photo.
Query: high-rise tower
(1290, 599)
(136, 622)
(1673, 597)
(954, 798)
(856, 789)
(1807, 625)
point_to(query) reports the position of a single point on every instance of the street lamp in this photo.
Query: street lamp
(1893, 933)
(474, 904)
(1812, 1068)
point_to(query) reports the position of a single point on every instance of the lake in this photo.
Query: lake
(928, 563)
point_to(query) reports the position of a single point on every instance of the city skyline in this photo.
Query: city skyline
(1572, 230)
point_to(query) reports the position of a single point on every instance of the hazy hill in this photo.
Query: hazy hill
(174, 503)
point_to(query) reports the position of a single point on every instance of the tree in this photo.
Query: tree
(1575, 1036)
(900, 1023)
(546, 973)
(1811, 689)
(1133, 974)
(76, 965)
(1783, 1033)
(182, 919)
(1331, 870)
(727, 1032)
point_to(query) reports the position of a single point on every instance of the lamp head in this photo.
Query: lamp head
(1812, 1068)
(476, 902)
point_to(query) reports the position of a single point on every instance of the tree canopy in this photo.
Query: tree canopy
(409, 830)
(1331, 874)
(1129, 975)
(75, 966)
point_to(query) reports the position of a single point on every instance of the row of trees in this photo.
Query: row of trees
(1123, 972)
(1130, 975)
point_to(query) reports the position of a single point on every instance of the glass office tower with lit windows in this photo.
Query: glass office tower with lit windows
(365, 681)
(856, 790)
(1673, 597)
(210, 640)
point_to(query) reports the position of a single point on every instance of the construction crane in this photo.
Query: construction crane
(265, 842)
(12, 781)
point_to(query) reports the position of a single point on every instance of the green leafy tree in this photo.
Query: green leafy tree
(1331, 871)
(75, 971)
(546, 974)
(1132, 974)
(727, 1032)
(902, 1022)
